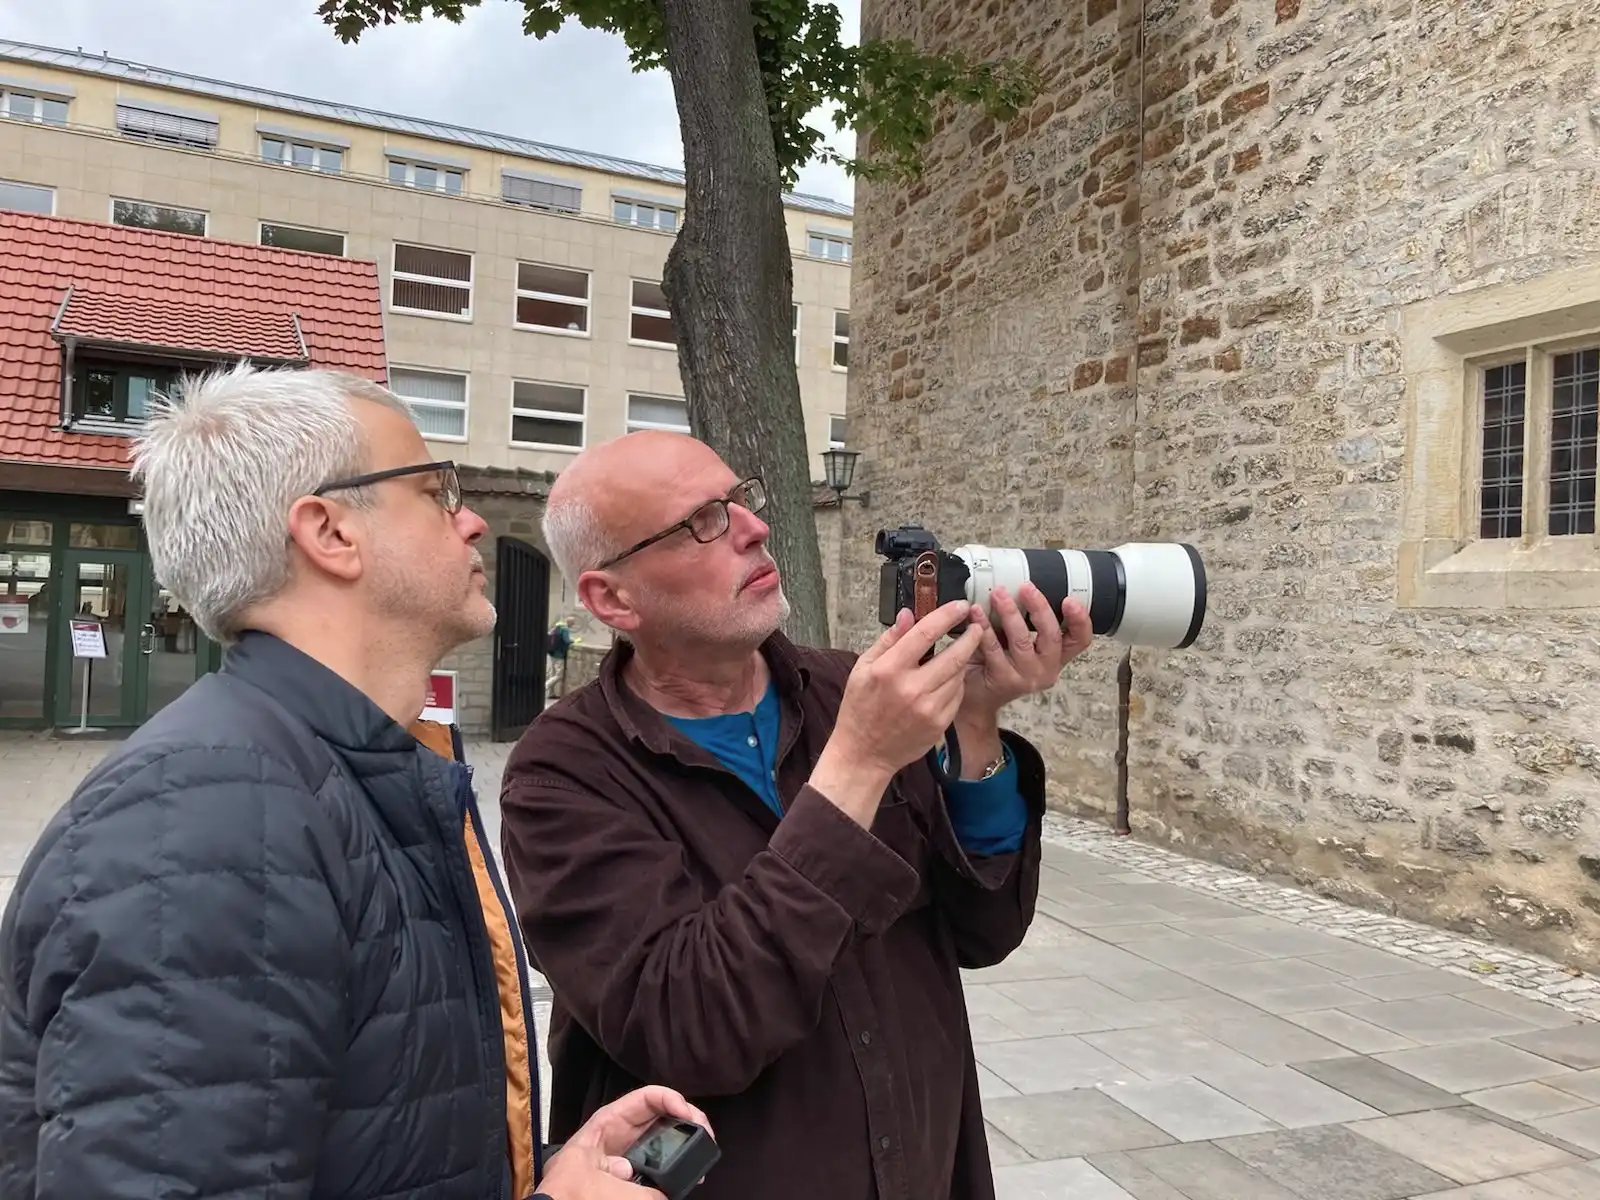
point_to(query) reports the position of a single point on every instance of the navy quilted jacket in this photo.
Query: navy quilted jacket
(247, 959)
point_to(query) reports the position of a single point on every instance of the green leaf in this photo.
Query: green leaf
(888, 91)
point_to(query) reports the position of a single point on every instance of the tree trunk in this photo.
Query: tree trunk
(730, 281)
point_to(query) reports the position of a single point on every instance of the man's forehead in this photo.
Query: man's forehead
(393, 438)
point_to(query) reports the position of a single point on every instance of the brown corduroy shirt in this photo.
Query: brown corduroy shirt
(799, 979)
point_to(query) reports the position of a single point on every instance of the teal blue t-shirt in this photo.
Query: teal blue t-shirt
(988, 815)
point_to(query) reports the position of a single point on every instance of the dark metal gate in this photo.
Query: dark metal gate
(522, 608)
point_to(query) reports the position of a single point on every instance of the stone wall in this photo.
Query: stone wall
(1169, 302)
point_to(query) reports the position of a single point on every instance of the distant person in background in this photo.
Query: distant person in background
(264, 950)
(557, 644)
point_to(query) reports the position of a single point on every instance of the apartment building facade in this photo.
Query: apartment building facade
(521, 282)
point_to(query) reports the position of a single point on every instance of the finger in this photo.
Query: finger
(1079, 628)
(903, 621)
(620, 1167)
(947, 703)
(1045, 625)
(951, 662)
(1017, 638)
(993, 654)
(925, 634)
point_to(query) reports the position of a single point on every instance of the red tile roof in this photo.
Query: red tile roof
(170, 290)
(110, 318)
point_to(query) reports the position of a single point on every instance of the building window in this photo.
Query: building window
(26, 106)
(1574, 410)
(27, 197)
(426, 177)
(168, 127)
(822, 245)
(1539, 424)
(528, 192)
(841, 341)
(136, 214)
(107, 393)
(309, 241)
(646, 216)
(649, 318)
(304, 155)
(547, 416)
(657, 412)
(438, 401)
(552, 299)
(1498, 466)
(838, 431)
(431, 282)
(1505, 399)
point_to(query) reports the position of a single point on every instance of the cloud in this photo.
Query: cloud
(573, 89)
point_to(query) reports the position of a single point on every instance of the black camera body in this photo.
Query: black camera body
(897, 576)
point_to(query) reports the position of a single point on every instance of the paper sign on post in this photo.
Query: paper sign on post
(440, 703)
(88, 640)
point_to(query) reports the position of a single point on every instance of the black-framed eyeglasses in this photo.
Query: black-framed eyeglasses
(708, 522)
(449, 482)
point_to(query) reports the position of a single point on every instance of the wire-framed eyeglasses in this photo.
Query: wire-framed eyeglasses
(708, 522)
(449, 496)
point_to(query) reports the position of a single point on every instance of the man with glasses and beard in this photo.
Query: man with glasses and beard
(263, 950)
(733, 863)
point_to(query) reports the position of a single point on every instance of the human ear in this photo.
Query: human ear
(599, 593)
(325, 535)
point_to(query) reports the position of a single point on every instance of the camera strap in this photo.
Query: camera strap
(924, 599)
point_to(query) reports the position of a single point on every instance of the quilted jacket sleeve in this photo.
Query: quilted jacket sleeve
(172, 972)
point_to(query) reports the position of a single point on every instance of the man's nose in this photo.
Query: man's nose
(470, 526)
(746, 528)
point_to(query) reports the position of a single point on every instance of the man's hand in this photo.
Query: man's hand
(588, 1173)
(895, 708)
(590, 1166)
(1029, 662)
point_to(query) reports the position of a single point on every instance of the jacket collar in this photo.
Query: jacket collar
(337, 711)
(638, 720)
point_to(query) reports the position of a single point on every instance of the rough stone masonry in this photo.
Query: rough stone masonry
(1166, 302)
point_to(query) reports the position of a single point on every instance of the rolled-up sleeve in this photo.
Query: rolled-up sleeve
(988, 900)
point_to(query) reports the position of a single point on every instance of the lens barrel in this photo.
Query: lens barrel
(1139, 593)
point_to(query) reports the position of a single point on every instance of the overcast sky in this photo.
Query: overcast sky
(574, 89)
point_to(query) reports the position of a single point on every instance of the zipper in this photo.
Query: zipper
(530, 1025)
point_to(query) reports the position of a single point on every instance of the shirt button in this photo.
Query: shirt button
(751, 740)
(883, 1143)
(866, 1037)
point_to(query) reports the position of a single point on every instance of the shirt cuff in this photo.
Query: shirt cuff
(989, 815)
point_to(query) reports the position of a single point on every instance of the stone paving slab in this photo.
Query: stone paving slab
(1173, 1030)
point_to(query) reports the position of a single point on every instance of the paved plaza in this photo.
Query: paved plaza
(1173, 1030)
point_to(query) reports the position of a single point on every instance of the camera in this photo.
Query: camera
(1140, 593)
(673, 1156)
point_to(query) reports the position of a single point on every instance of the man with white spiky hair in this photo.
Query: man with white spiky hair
(263, 950)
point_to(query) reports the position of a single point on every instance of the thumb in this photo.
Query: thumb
(903, 621)
(620, 1167)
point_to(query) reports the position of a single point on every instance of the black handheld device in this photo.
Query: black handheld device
(673, 1156)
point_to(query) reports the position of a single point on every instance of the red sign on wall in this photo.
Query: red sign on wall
(440, 702)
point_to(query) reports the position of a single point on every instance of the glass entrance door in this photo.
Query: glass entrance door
(153, 649)
(102, 602)
(173, 649)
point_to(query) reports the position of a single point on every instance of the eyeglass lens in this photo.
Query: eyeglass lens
(710, 521)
